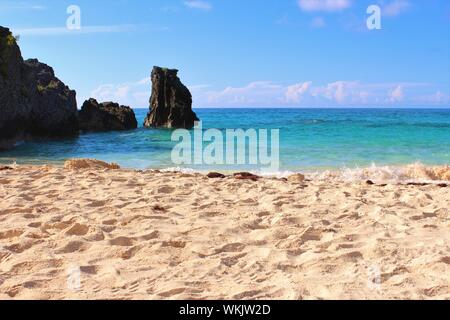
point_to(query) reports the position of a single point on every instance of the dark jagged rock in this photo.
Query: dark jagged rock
(33, 102)
(215, 175)
(106, 116)
(246, 176)
(170, 102)
(54, 105)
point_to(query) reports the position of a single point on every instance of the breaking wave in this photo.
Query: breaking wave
(416, 172)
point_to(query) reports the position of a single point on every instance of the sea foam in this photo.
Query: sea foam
(416, 172)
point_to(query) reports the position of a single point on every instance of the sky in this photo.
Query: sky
(244, 53)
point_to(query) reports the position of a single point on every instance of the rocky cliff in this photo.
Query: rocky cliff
(170, 102)
(33, 101)
(106, 116)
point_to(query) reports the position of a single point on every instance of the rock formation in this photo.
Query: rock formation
(33, 102)
(54, 105)
(170, 102)
(106, 116)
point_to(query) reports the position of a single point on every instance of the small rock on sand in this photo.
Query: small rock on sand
(246, 176)
(215, 175)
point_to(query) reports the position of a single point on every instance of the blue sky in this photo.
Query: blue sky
(252, 53)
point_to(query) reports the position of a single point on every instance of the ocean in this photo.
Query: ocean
(311, 140)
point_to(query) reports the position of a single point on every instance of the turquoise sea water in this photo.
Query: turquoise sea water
(310, 139)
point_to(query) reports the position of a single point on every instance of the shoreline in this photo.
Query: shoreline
(159, 235)
(409, 173)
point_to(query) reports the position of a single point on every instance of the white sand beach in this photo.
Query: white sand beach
(126, 234)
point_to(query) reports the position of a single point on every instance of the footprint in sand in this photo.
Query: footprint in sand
(437, 290)
(231, 261)
(231, 247)
(159, 208)
(77, 230)
(73, 246)
(247, 294)
(108, 229)
(172, 292)
(110, 222)
(89, 269)
(397, 271)
(97, 203)
(10, 234)
(35, 225)
(445, 260)
(34, 284)
(352, 256)
(23, 245)
(27, 267)
(174, 244)
(30, 216)
(95, 235)
(58, 225)
(130, 253)
(122, 242)
(256, 224)
(166, 189)
(311, 234)
(4, 255)
(12, 292)
(132, 286)
(210, 214)
(150, 236)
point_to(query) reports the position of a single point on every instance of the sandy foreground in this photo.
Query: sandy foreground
(121, 234)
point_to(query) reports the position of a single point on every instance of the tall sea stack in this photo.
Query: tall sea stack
(33, 102)
(170, 102)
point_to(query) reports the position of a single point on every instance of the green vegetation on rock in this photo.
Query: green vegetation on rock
(6, 43)
(52, 85)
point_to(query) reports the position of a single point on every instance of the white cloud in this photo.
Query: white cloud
(324, 5)
(20, 6)
(270, 94)
(63, 31)
(305, 94)
(254, 93)
(266, 93)
(437, 98)
(198, 4)
(133, 94)
(396, 95)
(395, 7)
(338, 91)
(60, 31)
(295, 92)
